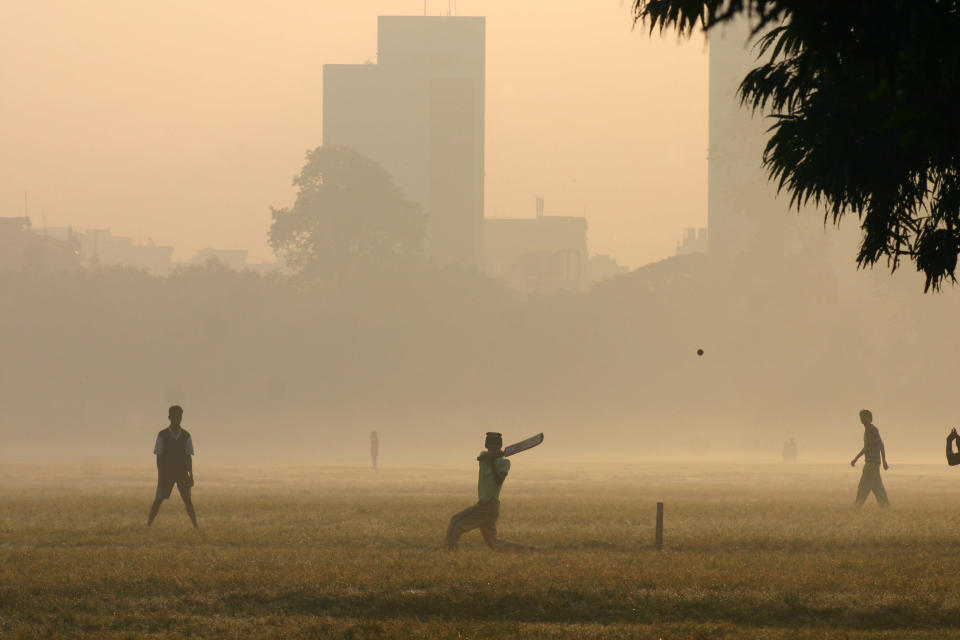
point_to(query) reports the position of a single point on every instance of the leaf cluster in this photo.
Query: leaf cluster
(863, 97)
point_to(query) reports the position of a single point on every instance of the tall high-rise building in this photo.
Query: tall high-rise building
(419, 112)
(744, 216)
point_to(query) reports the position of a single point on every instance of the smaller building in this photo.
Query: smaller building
(236, 259)
(694, 241)
(100, 248)
(264, 268)
(537, 255)
(604, 267)
(24, 248)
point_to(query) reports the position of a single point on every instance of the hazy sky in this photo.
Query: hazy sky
(184, 120)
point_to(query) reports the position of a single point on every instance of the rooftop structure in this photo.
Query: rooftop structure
(540, 254)
(694, 241)
(22, 247)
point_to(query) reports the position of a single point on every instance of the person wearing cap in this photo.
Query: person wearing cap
(174, 451)
(483, 515)
(874, 453)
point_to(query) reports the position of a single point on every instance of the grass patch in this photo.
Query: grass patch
(773, 552)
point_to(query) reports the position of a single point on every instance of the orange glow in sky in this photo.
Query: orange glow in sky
(183, 121)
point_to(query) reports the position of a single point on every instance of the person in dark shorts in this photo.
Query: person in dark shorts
(874, 454)
(483, 515)
(174, 451)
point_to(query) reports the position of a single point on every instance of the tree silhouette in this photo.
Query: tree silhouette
(348, 212)
(863, 95)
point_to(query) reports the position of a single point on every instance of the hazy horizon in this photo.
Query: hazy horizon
(183, 123)
(684, 441)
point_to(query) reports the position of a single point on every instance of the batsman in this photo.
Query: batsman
(494, 468)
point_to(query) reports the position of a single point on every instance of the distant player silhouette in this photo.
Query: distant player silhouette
(953, 458)
(174, 451)
(374, 448)
(483, 515)
(874, 454)
(790, 450)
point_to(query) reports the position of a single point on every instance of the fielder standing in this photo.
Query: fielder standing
(174, 451)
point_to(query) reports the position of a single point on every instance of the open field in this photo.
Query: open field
(764, 551)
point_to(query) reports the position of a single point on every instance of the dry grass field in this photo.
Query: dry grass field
(752, 551)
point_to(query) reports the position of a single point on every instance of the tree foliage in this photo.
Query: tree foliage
(863, 95)
(94, 354)
(348, 212)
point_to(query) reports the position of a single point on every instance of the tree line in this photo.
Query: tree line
(446, 352)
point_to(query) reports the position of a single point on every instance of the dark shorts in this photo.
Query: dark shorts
(165, 486)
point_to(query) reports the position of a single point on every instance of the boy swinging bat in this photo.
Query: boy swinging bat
(494, 467)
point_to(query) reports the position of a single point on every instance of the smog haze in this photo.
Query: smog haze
(183, 122)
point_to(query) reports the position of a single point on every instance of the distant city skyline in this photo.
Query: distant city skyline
(184, 123)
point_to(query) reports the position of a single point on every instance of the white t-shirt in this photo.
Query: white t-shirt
(158, 446)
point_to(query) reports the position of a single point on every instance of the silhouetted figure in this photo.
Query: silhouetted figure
(790, 450)
(174, 451)
(874, 453)
(483, 515)
(953, 458)
(374, 448)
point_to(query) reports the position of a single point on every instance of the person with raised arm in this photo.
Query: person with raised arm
(494, 468)
(953, 457)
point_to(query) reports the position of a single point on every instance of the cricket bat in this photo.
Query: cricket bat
(523, 445)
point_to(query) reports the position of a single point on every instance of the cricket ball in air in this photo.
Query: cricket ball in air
(699, 352)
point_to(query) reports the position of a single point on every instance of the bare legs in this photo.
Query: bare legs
(187, 502)
(154, 508)
(483, 516)
(870, 481)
